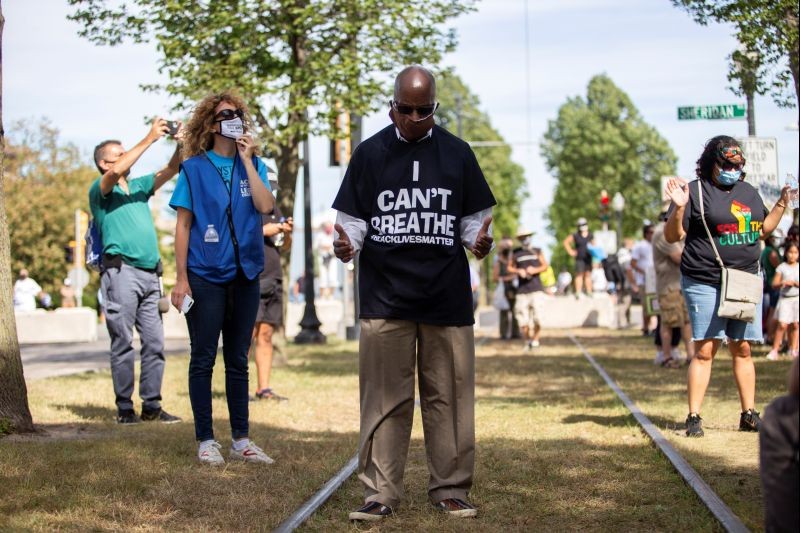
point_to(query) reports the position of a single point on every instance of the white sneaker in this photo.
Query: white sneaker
(535, 343)
(208, 453)
(659, 358)
(773, 355)
(250, 454)
(676, 354)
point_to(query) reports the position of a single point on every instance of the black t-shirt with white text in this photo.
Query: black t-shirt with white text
(413, 196)
(734, 217)
(523, 258)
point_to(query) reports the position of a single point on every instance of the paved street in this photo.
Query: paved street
(47, 360)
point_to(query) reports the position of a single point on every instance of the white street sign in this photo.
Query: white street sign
(761, 154)
(79, 277)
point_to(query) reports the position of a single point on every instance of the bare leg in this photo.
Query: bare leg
(588, 281)
(744, 372)
(795, 337)
(666, 339)
(778, 338)
(578, 284)
(537, 330)
(700, 371)
(263, 353)
(686, 333)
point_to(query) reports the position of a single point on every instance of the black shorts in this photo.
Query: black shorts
(270, 306)
(583, 265)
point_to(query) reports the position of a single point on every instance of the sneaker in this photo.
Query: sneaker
(659, 359)
(159, 415)
(250, 454)
(794, 353)
(694, 425)
(676, 355)
(773, 355)
(457, 507)
(371, 512)
(750, 421)
(535, 343)
(128, 416)
(208, 453)
(269, 394)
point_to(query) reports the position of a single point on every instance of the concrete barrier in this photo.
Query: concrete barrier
(77, 324)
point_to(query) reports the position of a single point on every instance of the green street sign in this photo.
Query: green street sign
(712, 112)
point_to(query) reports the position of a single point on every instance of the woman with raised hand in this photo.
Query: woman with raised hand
(722, 218)
(221, 192)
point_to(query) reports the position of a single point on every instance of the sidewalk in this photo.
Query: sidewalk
(47, 360)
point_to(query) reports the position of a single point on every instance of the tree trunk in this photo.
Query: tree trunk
(14, 413)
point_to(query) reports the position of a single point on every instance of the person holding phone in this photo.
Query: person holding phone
(221, 192)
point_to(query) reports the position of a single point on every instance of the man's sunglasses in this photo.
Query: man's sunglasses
(229, 114)
(422, 111)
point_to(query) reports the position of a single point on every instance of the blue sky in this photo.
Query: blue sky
(651, 50)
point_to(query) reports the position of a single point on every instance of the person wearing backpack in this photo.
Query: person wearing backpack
(131, 264)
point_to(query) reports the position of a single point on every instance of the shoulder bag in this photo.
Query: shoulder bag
(740, 292)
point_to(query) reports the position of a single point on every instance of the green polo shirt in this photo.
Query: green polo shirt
(125, 222)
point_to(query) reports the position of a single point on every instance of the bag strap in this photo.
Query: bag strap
(703, 218)
(708, 232)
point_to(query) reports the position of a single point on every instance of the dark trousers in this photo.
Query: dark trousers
(230, 309)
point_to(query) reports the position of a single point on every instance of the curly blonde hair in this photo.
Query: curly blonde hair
(200, 130)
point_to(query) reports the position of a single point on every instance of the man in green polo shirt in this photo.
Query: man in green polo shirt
(131, 266)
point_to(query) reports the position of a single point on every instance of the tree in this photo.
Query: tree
(598, 143)
(39, 166)
(14, 412)
(768, 32)
(459, 112)
(294, 61)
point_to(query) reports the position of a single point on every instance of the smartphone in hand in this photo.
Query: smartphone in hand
(188, 302)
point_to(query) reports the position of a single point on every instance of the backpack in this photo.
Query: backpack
(94, 247)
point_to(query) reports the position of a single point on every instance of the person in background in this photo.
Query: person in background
(736, 218)
(506, 283)
(563, 281)
(67, 292)
(131, 270)
(674, 314)
(26, 291)
(779, 442)
(786, 280)
(328, 268)
(641, 261)
(577, 246)
(221, 193)
(277, 232)
(527, 263)
(770, 259)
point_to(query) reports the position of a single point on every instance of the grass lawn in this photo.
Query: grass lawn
(556, 450)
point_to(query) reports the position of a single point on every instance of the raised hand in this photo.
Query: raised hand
(246, 145)
(342, 247)
(678, 191)
(484, 240)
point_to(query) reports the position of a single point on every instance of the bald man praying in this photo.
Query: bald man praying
(412, 200)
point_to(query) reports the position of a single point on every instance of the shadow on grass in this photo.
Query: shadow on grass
(91, 412)
(608, 421)
(331, 363)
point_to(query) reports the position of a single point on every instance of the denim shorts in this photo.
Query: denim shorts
(702, 302)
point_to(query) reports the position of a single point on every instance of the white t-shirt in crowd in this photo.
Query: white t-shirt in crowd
(643, 253)
(25, 291)
(789, 273)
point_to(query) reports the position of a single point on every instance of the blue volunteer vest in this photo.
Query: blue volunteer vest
(226, 229)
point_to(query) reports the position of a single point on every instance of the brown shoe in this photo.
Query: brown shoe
(371, 512)
(457, 507)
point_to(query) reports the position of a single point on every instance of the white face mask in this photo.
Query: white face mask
(232, 129)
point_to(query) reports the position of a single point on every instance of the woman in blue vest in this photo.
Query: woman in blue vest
(221, 191)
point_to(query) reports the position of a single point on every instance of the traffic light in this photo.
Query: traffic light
(605, 213)
(338, 146)
(69, 252)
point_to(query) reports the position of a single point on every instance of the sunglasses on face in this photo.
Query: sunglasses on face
(726, 165)
(229, 114)
(422, 111)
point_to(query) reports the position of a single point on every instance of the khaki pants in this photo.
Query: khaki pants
(388, 352)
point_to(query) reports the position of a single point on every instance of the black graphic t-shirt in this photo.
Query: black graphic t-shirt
(524, 258)
(734, 217)
(413, 197)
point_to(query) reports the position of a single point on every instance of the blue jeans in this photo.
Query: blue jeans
(230, 309)
(702, 301)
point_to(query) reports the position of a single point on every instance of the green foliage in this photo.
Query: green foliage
(506, 178)
(597, 143)
(292, 60)
(768, 31)
(45, 182)
(6, 427)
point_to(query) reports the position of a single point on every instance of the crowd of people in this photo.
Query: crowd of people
(230, 235)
